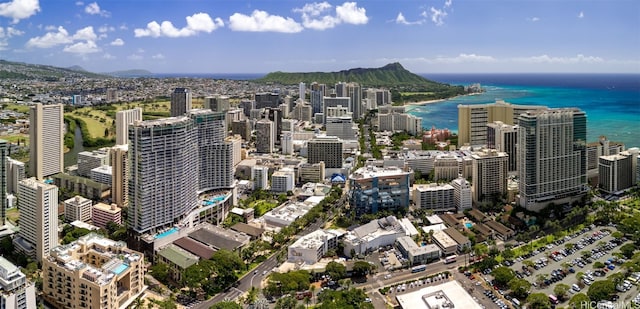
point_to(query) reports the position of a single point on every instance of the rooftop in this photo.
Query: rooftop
(203, 251)
(449, 294)
(178, 256)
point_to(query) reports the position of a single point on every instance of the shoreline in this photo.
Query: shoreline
(422, 103)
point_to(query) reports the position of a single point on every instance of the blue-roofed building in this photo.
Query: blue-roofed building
(375, 189)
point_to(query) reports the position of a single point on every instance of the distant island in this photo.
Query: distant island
(405, 86)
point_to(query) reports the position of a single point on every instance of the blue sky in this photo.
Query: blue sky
(235, 36)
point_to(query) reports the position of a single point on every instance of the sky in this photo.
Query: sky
(236, 36)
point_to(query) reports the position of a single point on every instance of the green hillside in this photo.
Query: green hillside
(392, 76)
(20, 70)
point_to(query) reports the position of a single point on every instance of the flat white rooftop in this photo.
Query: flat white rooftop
(432, 297)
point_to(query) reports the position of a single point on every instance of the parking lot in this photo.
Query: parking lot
(560, 263)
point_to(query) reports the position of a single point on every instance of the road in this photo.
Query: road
(254, 277)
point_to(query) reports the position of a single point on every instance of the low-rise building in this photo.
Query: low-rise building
(502, 231)
(461, 240)
(312, 247)
(177, 259)
(103, 214)
(102, 174)
(77, 208)
(417, 254)
(373, 235)
(283, 180)
(446, 295)
(447, 245)
(92, 272)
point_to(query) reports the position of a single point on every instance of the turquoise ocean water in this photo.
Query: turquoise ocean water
(612, 102)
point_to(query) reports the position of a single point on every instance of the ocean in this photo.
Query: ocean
(611, 101)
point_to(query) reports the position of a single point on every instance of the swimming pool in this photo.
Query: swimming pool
(167, 233)
(468, 225)
(118, 270)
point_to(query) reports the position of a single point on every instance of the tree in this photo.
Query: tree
(508, 254)
(287, 302)
(539, 301)
(362, 268)
(560, 290)
(336, 270)
(502, 275)
(160, 271)
(520, 287)
(540, 278)
(600, 290)
(351, 298)
(627, 250)
(617, 235)
(598, 264)
(226, 305)
(580, 300)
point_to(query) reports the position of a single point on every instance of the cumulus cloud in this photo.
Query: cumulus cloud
(85, 33)
(403, 21)
(318, 15)
(199, 22)
(9, 32)
(86, 47)
(117, 42)
(581, 15)
(261, 21)
(580, 58)
(51, 39)
(94, 9)
(437, 16)
(104, 29)
(19, 9)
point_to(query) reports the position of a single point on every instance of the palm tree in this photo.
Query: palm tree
(312, 289)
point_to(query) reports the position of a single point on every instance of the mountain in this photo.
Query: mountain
(404, 85)
(21, 70)
(77, 68)
(131, 73)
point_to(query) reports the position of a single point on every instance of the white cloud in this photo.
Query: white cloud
(85, 33)
(403, 21)
(261, 21)
(117, 42)
(581, 15)
(199, 22)
(79, 3)
(448, 3)
(318, 16)
(104, 29)
(533, 19)
(580, 58)
(158, 56)
(437, 16)
(51, 39)
(19, 9)
(86, 47)
(464, 58)
(50, 28)
(94, 9)
(350, 13)
(9, 32)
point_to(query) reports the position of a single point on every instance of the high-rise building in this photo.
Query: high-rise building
(163, 172)
(267, 99)
(373, 189)
(617, 172)
(215, 155)
(311, 172)
(102, 174)
(275, 115)
(264, 136)
(489, 175)
(112, 95)
(77, 208)
(236, 146)
(120, 175)
(45, 140)
(473, 119)
(302, 91)
(218, 103)
(93, 272)
(180, 102)
(434, 197)
(283, 180)
(17, 291)
(334, 101)
(124, 119)
(88, 160)
(551, 157)
(462, 193)
(341, 127)
(15, 173)
(503, 138)
(327, 149)
(4, 154)
(354, 92)
(38, 218)
(242, 128)
(303, 112)
(260, 177)
(286, 142)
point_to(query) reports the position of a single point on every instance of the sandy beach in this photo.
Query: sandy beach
(425, 102)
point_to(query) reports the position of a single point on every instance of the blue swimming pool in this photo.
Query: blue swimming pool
(122, 267)
(468, 225)
(167, 233)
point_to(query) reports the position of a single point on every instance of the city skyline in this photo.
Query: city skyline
(443, 36)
